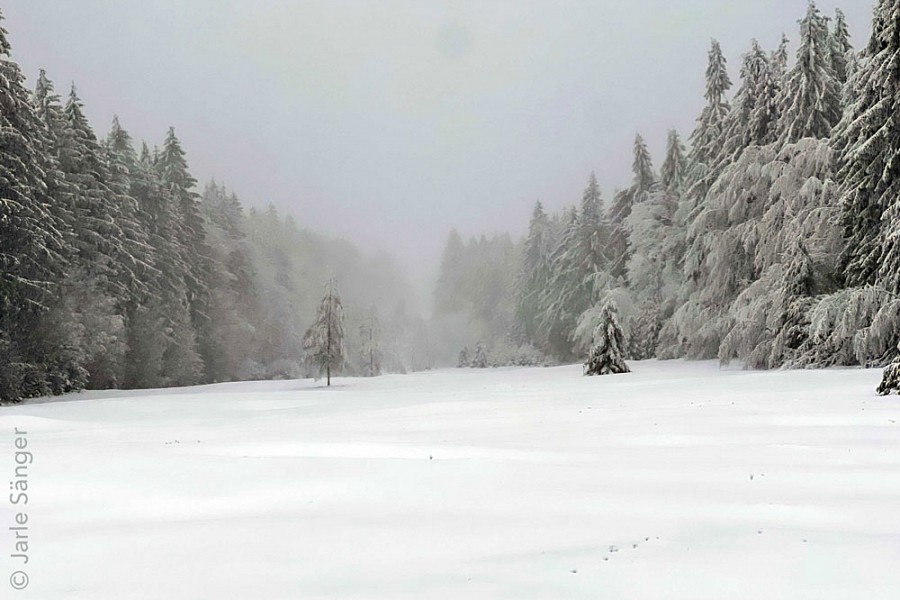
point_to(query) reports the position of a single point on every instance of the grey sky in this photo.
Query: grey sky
(389, 122)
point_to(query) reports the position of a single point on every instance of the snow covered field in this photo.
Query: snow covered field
(678, 481)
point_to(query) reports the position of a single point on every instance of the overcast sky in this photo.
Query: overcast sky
(389, 122)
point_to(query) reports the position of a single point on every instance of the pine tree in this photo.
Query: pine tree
(675, 166)
(812, 94)
(369, 334)
(780, 59)
(534, 274)
(841, 49)
(463, 360)
(869, 140)
(752, 119)
(448, 293)
(564, 298)
(643, 184)
(32, 255)
(172, 167)
(479, 361)
(607, 350)
(706, 141)
(324, 340)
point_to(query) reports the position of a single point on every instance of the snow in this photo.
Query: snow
(677, 481)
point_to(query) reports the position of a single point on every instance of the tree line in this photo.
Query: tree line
(773, 240)
(116, 272)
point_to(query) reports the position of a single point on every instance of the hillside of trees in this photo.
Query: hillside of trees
(770, 236)
(116, 272)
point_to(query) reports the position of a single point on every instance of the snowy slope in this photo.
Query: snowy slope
(678, 481)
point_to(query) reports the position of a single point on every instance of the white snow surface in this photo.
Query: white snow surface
(677, 481)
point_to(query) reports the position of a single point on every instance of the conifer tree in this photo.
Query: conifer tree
(369, 334)
(841, 49)
(324, 340)
(811, 104)
(606, 355)
(479, 361)
(643, 184)
(564, 298)
(706, 140)
(30, 239)
(675, 166)
(780, 59)
(752, 119)
(534, 274)
(463, 360)
(869, 140)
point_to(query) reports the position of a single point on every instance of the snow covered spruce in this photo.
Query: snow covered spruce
(606, 356)
(324, 340)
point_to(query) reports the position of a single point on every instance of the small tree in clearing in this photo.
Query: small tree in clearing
(480, 361)
(890, 381)
(463, 358)
(607, 350)
(324, 341)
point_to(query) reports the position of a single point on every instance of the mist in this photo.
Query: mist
(388, 123)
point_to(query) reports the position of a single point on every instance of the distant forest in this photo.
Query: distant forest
(115, 272)
(774, 239)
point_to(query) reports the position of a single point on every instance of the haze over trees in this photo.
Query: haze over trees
(116, 271)
(768, 235)
(772, 241)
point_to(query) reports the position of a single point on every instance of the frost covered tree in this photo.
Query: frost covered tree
(534, 274)
(870, 140)
(811, 103)
(324, 340)
(31, 243)
(606, 355)
(463, 360)
(706, 141)
(479, 361)
(370, 345)
(752, 118)
(567, 294)
(578, 267)
(643, 184)
(841, 49)
(673, 173)
(652, 269)
(780, 57)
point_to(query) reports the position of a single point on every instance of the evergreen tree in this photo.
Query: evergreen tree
(607, 350)
(643, 184)
(480, 360)
(565, 296)
(752, 119)
(30, 241)
(841, 49)
(534, 274)
(812, 94)
(780, 59)
(463, 360)
(706, 141)
(369, 333)
(324, 340)
(448, 293)
(675, 166)
(869, 140)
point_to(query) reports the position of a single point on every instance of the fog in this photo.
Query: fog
(389, 122)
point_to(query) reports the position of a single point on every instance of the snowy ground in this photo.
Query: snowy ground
(679, 481)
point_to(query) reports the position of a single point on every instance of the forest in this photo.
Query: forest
(769, 236)
(116, 271)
